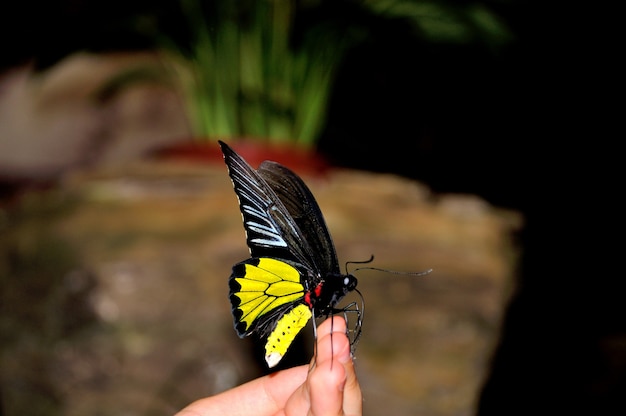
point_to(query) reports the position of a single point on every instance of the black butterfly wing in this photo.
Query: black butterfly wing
(270, 229)
(305, 212)
(271, 293)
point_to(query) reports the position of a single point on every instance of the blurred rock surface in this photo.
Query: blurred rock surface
(114, 280)
(115, 293)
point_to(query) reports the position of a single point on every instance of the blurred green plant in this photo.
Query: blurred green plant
(248, 79)
(447, 21)
(265, 69)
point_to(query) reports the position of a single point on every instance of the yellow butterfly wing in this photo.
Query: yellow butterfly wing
(266, 295)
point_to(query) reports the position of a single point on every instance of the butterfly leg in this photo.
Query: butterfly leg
(314, 323)
(353, 332)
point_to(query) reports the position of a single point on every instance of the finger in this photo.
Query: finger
(339, 356)
(327, 380)
(335, 323)
(352, 396)
(263, 396)
(321, 394)
(325, 347)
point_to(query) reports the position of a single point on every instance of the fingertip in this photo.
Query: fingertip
(332, 324)
(333, 384)
(333, 345)
(341, 347)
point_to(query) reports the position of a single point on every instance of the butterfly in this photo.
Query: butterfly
(293, 274)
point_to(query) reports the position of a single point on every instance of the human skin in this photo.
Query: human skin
(326, 387)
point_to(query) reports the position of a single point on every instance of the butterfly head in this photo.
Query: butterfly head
(349, 282)
(331, 290)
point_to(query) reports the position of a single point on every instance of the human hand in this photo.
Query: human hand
(330, 387)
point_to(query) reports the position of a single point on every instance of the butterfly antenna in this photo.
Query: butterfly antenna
(359, 262)
(422, 273)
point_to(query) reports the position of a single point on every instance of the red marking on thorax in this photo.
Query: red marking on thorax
(312, 295)
(318, 290)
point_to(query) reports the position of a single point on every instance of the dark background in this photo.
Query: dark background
(525, 127)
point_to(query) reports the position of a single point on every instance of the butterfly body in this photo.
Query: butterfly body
(293, 273)
(329, 292)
